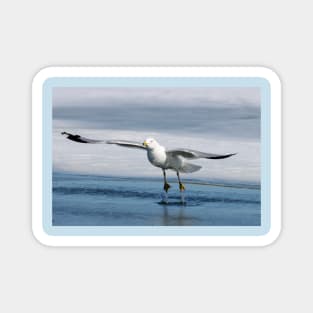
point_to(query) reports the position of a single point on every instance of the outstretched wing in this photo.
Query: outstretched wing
(193, 154)
(127, 144)
(123, 143)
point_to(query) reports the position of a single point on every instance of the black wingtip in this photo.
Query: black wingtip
(223, 156)
(75, 138)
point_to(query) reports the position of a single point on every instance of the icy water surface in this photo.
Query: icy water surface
(81, 200)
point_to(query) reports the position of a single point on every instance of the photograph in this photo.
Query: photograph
(156, 156)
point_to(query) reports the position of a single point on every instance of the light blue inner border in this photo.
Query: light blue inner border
(259, 82)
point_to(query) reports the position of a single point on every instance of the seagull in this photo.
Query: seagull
(160, 157)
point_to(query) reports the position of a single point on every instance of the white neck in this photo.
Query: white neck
(156, 147)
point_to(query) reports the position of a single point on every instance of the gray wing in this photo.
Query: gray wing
(123, 143)
(127, 144)
(193, 154)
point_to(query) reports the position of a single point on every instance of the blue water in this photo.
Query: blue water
(86, 200)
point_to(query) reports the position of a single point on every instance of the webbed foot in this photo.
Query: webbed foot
(167, 187)
(181, 187)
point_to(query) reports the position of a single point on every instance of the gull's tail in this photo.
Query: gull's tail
(189, 168)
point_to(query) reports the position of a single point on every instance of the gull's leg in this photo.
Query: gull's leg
(181, 188)
(166, 184)
(181, 185)
(166, 188)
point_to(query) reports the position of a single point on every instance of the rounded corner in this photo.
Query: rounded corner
(271, 236)
(41, 236)
(42, 75)
(270, 75)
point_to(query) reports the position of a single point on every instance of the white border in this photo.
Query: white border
(37, 192)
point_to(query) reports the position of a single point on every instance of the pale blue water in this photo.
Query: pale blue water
(83, 200)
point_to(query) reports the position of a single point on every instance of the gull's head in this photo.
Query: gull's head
(150, 143)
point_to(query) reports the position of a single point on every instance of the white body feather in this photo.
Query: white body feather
(158, 157)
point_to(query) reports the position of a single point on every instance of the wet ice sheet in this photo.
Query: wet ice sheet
(83, 200)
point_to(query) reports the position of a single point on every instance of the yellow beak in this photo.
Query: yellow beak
(145, 144)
